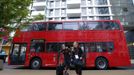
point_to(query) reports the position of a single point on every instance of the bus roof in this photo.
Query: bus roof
(75, 21)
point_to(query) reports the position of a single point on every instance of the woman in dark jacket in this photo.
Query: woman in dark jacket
(77, 57)
(66, 52)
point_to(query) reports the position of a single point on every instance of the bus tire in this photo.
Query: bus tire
(101, 63)
(35, 63)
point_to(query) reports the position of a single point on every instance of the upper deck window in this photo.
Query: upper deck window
(55, 26)
(83, 25)
(98, 25)
(70, 26)
(37, 27)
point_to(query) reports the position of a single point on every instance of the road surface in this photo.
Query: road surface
(15, 70)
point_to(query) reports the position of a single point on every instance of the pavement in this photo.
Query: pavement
(20, 70)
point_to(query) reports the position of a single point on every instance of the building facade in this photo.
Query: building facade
(38, 7)
(78, 10)
(85, 10)
(123, 10)
(72, 9)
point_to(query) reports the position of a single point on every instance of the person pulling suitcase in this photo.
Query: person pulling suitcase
(62, 68)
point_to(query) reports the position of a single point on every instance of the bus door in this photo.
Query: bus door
(17, 54)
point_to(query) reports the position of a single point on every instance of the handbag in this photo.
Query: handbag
(78, 62)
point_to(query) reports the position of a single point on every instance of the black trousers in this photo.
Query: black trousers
(67, 63)
(78, 69)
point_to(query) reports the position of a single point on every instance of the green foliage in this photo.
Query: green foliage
(2, 33)
(38, 17)
(13, 11)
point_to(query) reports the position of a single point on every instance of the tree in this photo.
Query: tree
(12, 12)
(38, 17)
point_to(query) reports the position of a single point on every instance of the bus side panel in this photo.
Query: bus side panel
(126, 52)
(91, 58)
(114, 59)
(120, 56)
(123, 55)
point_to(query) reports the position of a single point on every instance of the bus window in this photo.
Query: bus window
(110, 46)
(93, 26)
(109, 25)
(55, 26)
(70, 26)
(17, 55)
(37, 46)
(23, 52)
(106, 25)
(101, 47)
(37, 27)
(90, 26)
(104, 46)
(98, 26)
(53, 47)
(42, 26)
(16, 49)
(90, 47)
(114, 25)
(82, 25)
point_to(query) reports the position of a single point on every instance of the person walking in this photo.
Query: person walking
(64, 65)
(66, 52)
(77, 55)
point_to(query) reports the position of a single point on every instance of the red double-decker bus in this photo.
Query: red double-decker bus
(103, 43)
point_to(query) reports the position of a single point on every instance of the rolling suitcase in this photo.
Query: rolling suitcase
(60, 69)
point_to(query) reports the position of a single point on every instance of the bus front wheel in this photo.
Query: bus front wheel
(35, 63)
(101, 63)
